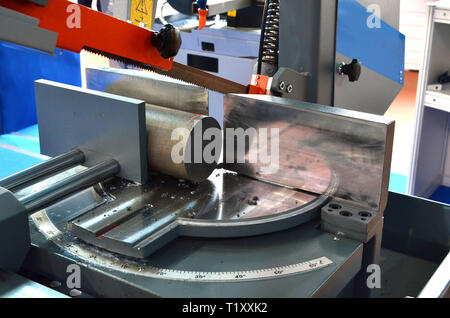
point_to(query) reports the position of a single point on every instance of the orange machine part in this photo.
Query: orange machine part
(258, 84)
(96, 30)
(202, 18)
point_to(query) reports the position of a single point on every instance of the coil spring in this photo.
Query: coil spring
(271, 33)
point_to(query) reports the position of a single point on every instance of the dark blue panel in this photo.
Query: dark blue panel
(380, 49)
(442, 194)
(20, 67)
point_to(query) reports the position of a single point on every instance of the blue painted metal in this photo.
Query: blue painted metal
(12, 161)
(380, 49)
(442, 194)
(20, 67)
(201, 4)
(22, 142)
(398, 183)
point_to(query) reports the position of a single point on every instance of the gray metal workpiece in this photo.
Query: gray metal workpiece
(102, 125)
(188, 128)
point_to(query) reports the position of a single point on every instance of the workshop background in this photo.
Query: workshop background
(139, 225)
(413, 24)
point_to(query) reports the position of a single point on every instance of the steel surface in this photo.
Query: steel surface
(140, 219)
(167, 130)
(152, 88)
(317, 146)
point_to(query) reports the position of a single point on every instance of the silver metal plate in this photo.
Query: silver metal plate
(317, 144)
(138, 220)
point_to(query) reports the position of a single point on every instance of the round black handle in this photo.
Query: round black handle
(167, 41)
(353, 70)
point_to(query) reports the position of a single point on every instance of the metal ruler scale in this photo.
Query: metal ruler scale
(110, 261)
(256, 274)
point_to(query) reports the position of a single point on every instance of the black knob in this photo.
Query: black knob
(353, 70)
(167, 41)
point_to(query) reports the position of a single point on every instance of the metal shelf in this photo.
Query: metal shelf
(430, 166)
(442, 15)
(438, 100)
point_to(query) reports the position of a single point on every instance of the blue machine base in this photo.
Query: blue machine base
(19, 150)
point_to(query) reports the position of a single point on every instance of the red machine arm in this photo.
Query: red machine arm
(79, 27)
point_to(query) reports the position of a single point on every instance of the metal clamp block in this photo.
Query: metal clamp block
(14, 232)
(350, 221)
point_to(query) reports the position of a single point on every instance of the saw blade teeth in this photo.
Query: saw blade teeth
(185, 74)
(165, 74)
(139, 65)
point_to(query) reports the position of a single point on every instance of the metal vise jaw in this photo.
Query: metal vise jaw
(14, 232)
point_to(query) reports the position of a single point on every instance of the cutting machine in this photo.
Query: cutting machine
(290, 202)
(177, 232)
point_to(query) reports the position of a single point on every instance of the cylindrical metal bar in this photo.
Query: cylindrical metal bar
(70, 184)
(160, 90)
(47, 167)
(175, 143)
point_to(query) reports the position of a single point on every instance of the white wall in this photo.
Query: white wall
(413, 24)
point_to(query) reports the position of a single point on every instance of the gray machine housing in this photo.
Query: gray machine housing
(235, 52)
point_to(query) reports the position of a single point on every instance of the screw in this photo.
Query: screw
(338, 236)
(282, 85)
(290, 88)
(55, 284)
(75, 293)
